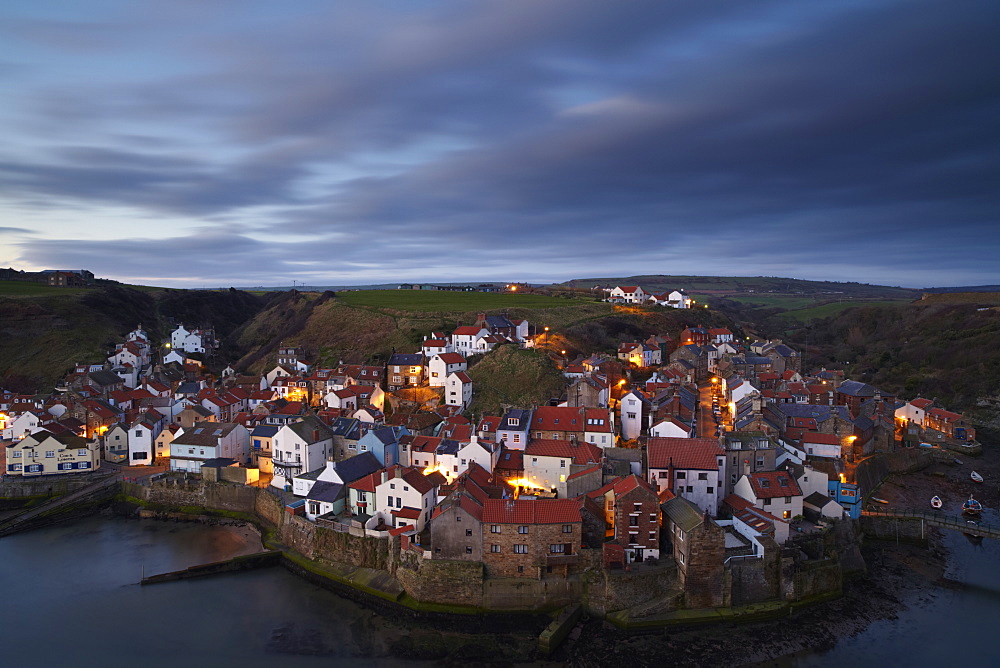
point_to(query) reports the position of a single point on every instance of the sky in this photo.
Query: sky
(208, 143)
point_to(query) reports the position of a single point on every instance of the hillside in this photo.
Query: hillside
(44, 332)
(946, 351)
(510, 376)
(757, 285)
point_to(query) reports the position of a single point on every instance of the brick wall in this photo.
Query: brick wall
(704, 571)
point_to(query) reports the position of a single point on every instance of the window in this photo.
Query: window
(520, 569)
(788, 499)
(520, 549)
(17, 453)
(298, 446)
(405, 488)
(522, 529)
(494, 548)
(517, 438)
(138, 432)
(468, 532)
(397, 380)
(652, 517)
(680, 555)
(557, 548)
(702, 476)
(710, 490)
(633, 520)
(50, 453)
(562, 463)
(681, 475)
(392, 485)
(631, 416)
(534, 461)
(567, 528)
(690, 489)
(767, 502)
(786, 515)
(760, 461)
(652, 535)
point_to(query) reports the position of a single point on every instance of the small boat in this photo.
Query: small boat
(936, 502)
(878, 500)
(976, 477)
(958, 461)
(972, 507)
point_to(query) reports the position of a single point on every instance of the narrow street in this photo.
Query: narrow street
(708, 425)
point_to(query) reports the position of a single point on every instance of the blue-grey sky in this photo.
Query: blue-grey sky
(234, 142)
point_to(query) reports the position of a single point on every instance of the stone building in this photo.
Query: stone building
(698, 546)
(531, 538)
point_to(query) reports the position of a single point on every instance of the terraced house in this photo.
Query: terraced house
(43, 453)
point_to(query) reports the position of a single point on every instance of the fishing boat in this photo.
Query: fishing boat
(972, 507)
(878, 500)
(936, 502)
(976, 477)
(958, 461)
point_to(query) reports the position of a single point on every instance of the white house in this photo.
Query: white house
(21, 425)
(913, 411)
(776, 492)
(548, 463)
(299, 447)
(628, 294)
(459, 390)
(433, 346)
(630, 411)
(670, 427)
(599, 428)
(513, 428)
(465, 340)
(694, 468)
(442, 365)
(816, 444)
(407, 496)
(42, 453)
(190, 448)
(193, 341)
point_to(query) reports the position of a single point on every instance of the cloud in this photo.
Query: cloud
(541, 139)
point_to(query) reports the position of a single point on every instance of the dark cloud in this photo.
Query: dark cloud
(845, 140)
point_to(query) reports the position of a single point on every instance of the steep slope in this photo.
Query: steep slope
(511, 376)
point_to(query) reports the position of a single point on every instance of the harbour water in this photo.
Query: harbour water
(70, 596)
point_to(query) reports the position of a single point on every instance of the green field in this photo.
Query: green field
(26, 289)
(788, 302)
(833, 308)
(443, 301)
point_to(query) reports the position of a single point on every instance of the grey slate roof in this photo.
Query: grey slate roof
(817, 499)
(265, 430)
(854, 388)
(357, 467)
(326, 491)
(104, 378)
(683, 513)
(219, 462)
(406, 359)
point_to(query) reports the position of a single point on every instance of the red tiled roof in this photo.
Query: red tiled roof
(467, 330)
(451, 358)
(580, 453)
(538, 511)
(407, 513)
(686, 453)
(368, 483)
(462, 376)
(558, 418)
(942, 414)
(816, 437)
(435, 343)
(773, 484)
(511, 460)
(921, 403)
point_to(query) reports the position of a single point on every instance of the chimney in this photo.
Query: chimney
(397, 472)
(385, 475)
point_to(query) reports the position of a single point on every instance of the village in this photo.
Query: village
(695, 453)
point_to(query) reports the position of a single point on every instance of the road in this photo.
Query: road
(708, 425)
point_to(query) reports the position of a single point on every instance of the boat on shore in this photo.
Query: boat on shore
(936, 502)
(878, 500)
(976, 477)
(972, 507)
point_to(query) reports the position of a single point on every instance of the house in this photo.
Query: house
(406, 496)
(441, 365)
(43, 453)
(698, 546)
(513, 428)
(531, 538)
(671, 427)
(208, 440)
(776, 492)
(632, 408)
(404, 370)
(599, 427)
(631, 516)
(748, 452)
(628, 294)
(694, 468)
(192, 341)
(325, 489)
(458, 391)
(383, 442)
(548, 463)
(299, 447)
(559, 422)
(466, 339)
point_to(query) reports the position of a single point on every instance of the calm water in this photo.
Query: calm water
(68, 597)
(941, 626)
